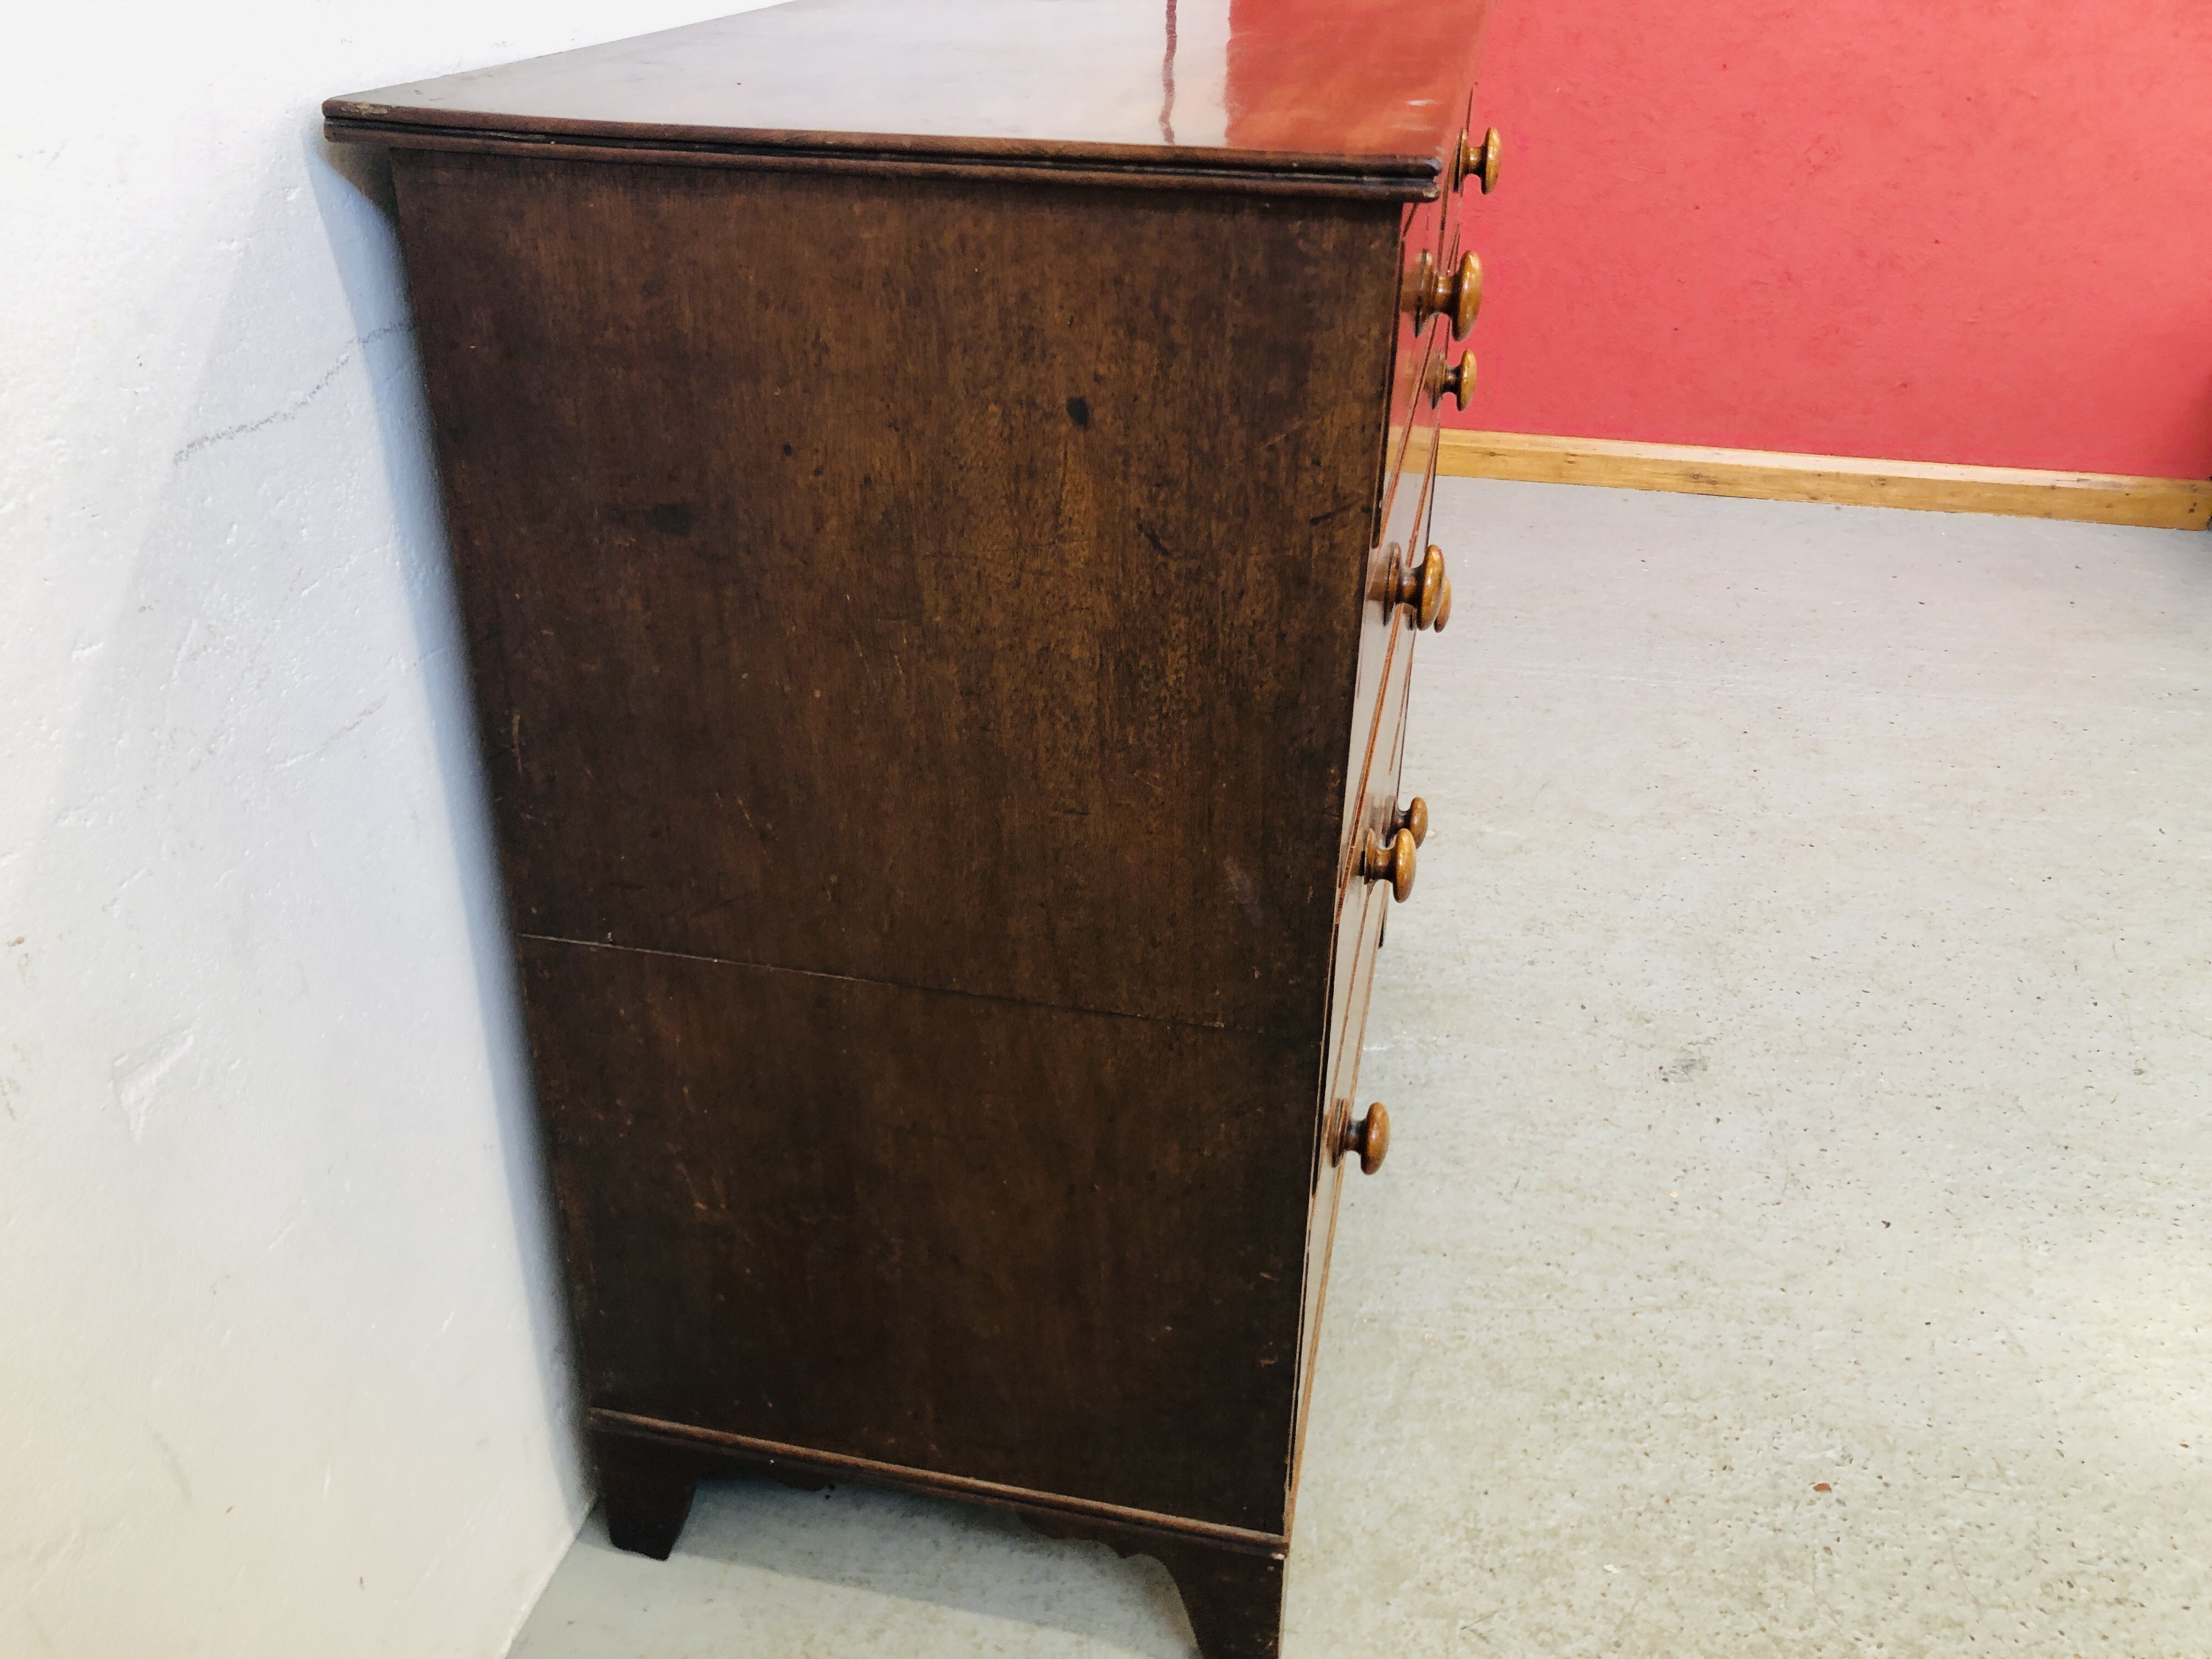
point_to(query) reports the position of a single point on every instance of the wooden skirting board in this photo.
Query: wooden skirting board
(2097, 497)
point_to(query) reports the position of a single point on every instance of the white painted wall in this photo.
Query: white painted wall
(281, 1349)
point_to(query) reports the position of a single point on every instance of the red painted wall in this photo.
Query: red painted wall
(1940, 230)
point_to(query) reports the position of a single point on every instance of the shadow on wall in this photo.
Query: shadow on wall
(297, 1349)
(353, 187)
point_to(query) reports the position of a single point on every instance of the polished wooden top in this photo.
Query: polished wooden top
(1367, 94)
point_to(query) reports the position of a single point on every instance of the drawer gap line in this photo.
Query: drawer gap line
(895, 985)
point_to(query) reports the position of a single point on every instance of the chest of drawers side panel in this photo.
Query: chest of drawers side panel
(943, 583)
(1054, 1251)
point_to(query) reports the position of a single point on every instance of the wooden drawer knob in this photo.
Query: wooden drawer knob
(1393, 863)
(1424, 589)
(1413, 819)
(1456, 294)
(1466, 295)
(1370, 1137)
(1457, 382)
(1477, 161)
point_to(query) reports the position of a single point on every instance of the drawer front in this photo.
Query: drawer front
(1408, 480)
(1376, 803)
(1378, 808)
(1363, 912)
(1387, 632)
(1380, 623)
(1410, 358)
(1358, 937)
(1352, 888)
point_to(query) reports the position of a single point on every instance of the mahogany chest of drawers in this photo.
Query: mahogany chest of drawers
(938, 492)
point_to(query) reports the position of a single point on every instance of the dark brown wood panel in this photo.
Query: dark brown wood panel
(839, 597)
(1053, 1250)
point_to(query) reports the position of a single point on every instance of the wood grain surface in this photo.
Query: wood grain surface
(947, 585)
(1057, 1250)
(1364, 93)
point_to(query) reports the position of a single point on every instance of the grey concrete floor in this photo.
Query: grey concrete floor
(1793, 1236)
